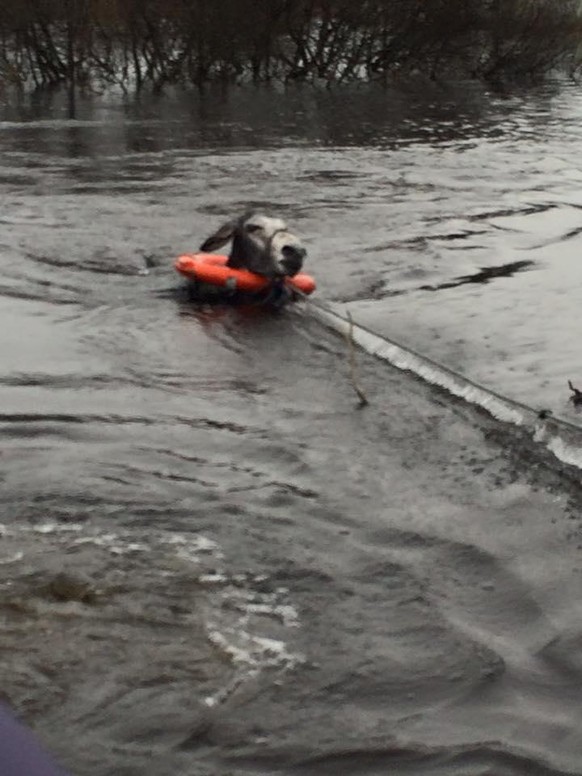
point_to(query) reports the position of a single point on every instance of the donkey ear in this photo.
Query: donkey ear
(219, 238)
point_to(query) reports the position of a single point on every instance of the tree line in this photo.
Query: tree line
(133, 43)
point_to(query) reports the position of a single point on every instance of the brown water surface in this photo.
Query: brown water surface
(211, 562)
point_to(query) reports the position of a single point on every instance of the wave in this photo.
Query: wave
(17, 420)
(400, 759)
(559, 437)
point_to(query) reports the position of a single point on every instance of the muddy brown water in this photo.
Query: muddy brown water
(211, 561)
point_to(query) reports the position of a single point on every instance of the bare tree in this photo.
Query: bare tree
(138, 42)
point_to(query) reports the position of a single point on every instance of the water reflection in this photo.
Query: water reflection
(268, 116)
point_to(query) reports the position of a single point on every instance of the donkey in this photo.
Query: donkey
(261, 244)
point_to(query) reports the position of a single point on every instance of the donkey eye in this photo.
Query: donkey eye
(253, 228)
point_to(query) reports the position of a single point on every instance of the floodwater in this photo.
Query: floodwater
(212, 562)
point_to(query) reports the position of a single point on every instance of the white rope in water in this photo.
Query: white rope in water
(563, 439)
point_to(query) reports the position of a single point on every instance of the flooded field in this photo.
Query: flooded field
(211, 561)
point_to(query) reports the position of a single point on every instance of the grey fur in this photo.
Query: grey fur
(261, 244)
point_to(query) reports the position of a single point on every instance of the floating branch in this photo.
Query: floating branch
(352, 361)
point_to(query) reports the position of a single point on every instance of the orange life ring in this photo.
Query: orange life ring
(211, 268)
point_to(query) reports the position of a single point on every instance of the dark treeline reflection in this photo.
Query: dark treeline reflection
(137, 42)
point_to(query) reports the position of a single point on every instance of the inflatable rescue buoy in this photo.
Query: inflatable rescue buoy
(211, 268)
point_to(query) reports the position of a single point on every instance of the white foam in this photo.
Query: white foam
(286, 613)
(51, 526)
(213, 579)
(12, 558)
(250, 655)
(245, 618)
(191, 548)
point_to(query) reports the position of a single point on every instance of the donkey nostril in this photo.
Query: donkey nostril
(294, 251)
(292, 260)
